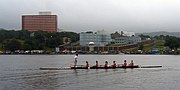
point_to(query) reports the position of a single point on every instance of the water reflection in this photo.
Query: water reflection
(45, 81)
(75, 72)
(125, 70)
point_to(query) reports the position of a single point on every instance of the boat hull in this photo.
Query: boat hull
(100, 67)
(94, 67)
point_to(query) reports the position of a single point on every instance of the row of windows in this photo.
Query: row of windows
(44, 30)
(120, 42)
(45, 19)
(39, 28)
(94, 41)
(40, 24)
(40, 20)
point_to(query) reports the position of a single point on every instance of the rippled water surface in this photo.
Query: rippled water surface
(21, 72)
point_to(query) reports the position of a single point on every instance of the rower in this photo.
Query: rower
(106, 64)
(75, 60)
(132, 63)
(87, 64)
(125, 63)
(114, 64)
(96, 63)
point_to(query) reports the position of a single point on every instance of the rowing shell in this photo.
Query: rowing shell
(94, 67)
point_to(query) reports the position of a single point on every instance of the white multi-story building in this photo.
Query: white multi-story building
(126, 38)
(100, 38)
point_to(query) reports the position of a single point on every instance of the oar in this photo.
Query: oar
(151, 66)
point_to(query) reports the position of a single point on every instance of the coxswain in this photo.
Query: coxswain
(106, 64)
(87, 64)
(132, 63)
(125, 63)
(114, 64)
(96, 64)
(75, 60)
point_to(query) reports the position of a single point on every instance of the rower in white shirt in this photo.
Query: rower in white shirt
(75, 60)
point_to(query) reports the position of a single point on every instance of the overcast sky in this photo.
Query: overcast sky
(85, 15)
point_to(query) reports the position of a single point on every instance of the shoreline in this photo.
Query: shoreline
(91, 54)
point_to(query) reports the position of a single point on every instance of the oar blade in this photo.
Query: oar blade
(157, 66)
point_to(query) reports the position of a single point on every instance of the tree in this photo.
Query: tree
(172, 42)
(12, 44)
(141, 47)
(12, 40)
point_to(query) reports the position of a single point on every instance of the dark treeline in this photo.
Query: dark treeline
(170, 41)
(24, 40)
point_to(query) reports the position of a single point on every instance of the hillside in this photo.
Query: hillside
(152, 34)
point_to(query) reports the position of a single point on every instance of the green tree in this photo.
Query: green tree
(33, 40)
(172, 42)
(141, 47)
(12, 44)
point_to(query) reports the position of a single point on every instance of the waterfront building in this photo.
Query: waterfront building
(125, 38)
(42, 22)
(99, 38)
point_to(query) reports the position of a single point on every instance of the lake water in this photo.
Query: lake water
(21, 72)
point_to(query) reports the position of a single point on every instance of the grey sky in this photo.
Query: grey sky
(110, 15)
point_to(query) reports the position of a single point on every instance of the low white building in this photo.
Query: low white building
(100, 38)
(125, 38)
